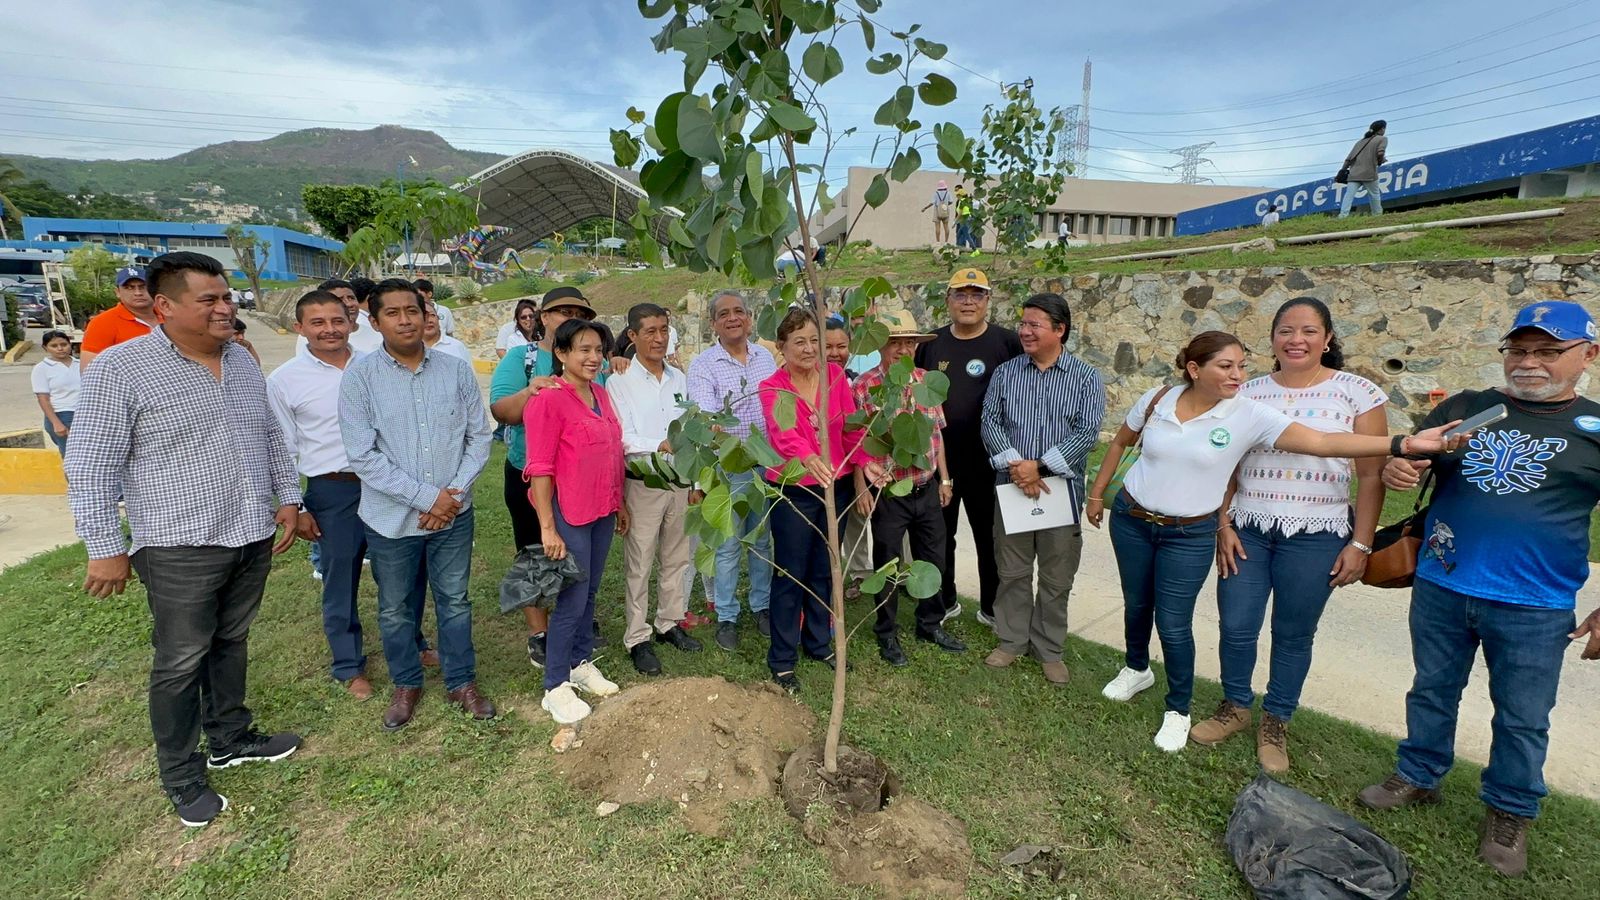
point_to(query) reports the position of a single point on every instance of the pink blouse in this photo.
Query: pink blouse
(801, 440)
(580, 449)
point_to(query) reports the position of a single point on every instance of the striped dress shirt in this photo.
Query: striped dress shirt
(410, 435)
(1052, 415)
(200, 461)
(715, 378)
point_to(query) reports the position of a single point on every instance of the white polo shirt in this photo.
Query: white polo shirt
(1183, 468)
(304, 395)
(646, 405)
(450, 345)
(61, 381)
(447, 319)
(363, 340)
(509, 336)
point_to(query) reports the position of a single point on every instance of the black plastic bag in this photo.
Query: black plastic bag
(1290, 846)
(536, 580)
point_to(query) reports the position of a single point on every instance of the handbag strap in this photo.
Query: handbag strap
(1357, 152)
(1149, 410)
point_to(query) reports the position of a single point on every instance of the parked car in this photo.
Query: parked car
(34, 313)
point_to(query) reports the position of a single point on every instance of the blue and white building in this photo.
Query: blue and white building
(290, 255)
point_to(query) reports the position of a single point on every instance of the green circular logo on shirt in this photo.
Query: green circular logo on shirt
(1220, 438)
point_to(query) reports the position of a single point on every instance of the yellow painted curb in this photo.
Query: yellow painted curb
(484, 366)
(19, 351)
(26, 471)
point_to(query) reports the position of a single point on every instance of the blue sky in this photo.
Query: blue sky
(1283, 88)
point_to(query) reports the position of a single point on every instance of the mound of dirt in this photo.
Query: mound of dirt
(862, 784)
(698, 742)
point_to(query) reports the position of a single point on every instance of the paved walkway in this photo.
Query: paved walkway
(1362, 666)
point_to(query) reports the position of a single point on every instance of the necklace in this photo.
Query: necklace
(1540, 412)
(1289, 389)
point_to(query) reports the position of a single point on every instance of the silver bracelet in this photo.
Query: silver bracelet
(1360, 546)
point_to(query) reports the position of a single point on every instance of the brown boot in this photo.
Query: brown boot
(1394, 793)
(1229, 719)
(1272, 744)
(468, 698)
(359, 687)
(1503, 842)
(401, 708)
(999, 659)
(1055, 672)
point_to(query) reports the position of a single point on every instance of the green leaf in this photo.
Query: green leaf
(822, 63)
(875, 582)
(877, 191)
(635, 115)
(899, 488)
(884, 64)
(792, 471)
(717, 508)
(930, 49)
(720, 243)
(754, 165)
(761, 451)
(869, 35)
(679, 234)
(661, 176)
(774, 211)
(936, 90)
(876, 286)
(624, 148)
(747, 21)
(876, 446)
(784, 410)
(654, 140)
(825, 203)
(896, 108)
(952, 144)
(869, 6)
(735, 458)
(868, 336)
(924, 580)
(703, 42)
(764, 131)
(666, 122)
(705, 558)
(906, 162)
(912, 431)
(654, 9)
(663, 38)
(697, 130)
(790, 117)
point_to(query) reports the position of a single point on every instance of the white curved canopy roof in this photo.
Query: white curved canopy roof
(540, 192)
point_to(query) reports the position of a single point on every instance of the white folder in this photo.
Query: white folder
(1019, 513)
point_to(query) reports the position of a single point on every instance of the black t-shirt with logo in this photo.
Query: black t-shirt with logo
(1509, 519)
(969, 364)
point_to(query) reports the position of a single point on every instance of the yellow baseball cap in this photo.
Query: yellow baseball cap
(969, 278)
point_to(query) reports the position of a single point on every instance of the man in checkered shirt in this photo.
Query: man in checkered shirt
(177, 423)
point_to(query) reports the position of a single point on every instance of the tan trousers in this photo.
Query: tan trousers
(1027, 623)
(857, 545)
(656, 529)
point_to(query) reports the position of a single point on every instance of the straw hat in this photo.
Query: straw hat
(903, 325)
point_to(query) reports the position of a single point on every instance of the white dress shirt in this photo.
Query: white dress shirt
(450, 345)
(304, 394)
(647, 405)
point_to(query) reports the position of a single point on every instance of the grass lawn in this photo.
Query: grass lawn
(450, 808)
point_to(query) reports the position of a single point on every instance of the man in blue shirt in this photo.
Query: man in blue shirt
(1505, 551)
(416, 434)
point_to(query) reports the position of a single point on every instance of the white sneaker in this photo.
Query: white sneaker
(316, 574)
(954, 612)
(565, 706)
(585, 677)
(1127, 684)
(984, 619)
(1174, 733)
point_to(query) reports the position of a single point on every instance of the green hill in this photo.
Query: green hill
(221, 180)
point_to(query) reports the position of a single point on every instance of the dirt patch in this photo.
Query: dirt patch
(862, 784)
(702, 743)
(908, 849)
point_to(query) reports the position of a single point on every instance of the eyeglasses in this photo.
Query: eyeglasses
(1545, 355)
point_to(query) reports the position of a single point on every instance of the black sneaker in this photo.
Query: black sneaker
(728, 636)
(599, 639)
(255, 747)
(197, 804)
(536, 650)
(831, 663)
(889, 649)
(787, 681)
(764, 623)
(680, 639)
(942, 639)
(645, 661)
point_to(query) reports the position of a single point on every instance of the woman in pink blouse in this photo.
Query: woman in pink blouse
(574, 442)
(802, 581)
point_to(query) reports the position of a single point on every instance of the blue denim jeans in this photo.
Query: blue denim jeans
(760, 551)
(799, 619)
(446, 558)
(1162, 568)
(570, 638)
(1523, 647)
(1374, 198)
(344, 543)
(1294, 570)
(66, 419)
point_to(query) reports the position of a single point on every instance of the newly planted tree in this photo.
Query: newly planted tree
(250, 251)
(1013, 168)
(722, 156)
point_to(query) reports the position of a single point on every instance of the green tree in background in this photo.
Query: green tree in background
(11, 178)
(340, 209)
(90, 282)
(1013, 170)
(418, 213)
(250, 250)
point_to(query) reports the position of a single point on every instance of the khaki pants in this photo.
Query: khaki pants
(1028, 623)
(856, 548)
(656, 529)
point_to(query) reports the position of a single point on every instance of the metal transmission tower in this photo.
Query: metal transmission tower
(1081, 148)
(1192, 161)
(1067, 152)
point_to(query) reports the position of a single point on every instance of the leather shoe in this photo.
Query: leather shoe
(468, 698)
(1394, 793)
(1055, 671)
(890, 650)
(359, 687)
(430, 658)
(645, 661)
(999, 659)
(401, 708)
(680, 639)
(942, 639)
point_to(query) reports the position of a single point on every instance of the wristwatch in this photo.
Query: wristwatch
(1360, 546)
(947, 482)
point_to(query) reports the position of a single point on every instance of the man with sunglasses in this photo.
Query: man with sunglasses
(1506, 551)
(967, 351)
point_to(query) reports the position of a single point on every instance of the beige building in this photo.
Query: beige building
(1099, 212)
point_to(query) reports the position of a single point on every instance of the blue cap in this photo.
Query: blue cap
(1561, 320)
(130, 273)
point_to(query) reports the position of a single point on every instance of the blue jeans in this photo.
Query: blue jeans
(344, 543)
(798, 618)
(1294, 570)
(66, 419)
(570, 638)
(398, 565)
(1162, 568)
(1374, 198)
(1523, 647)
(759, 552)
